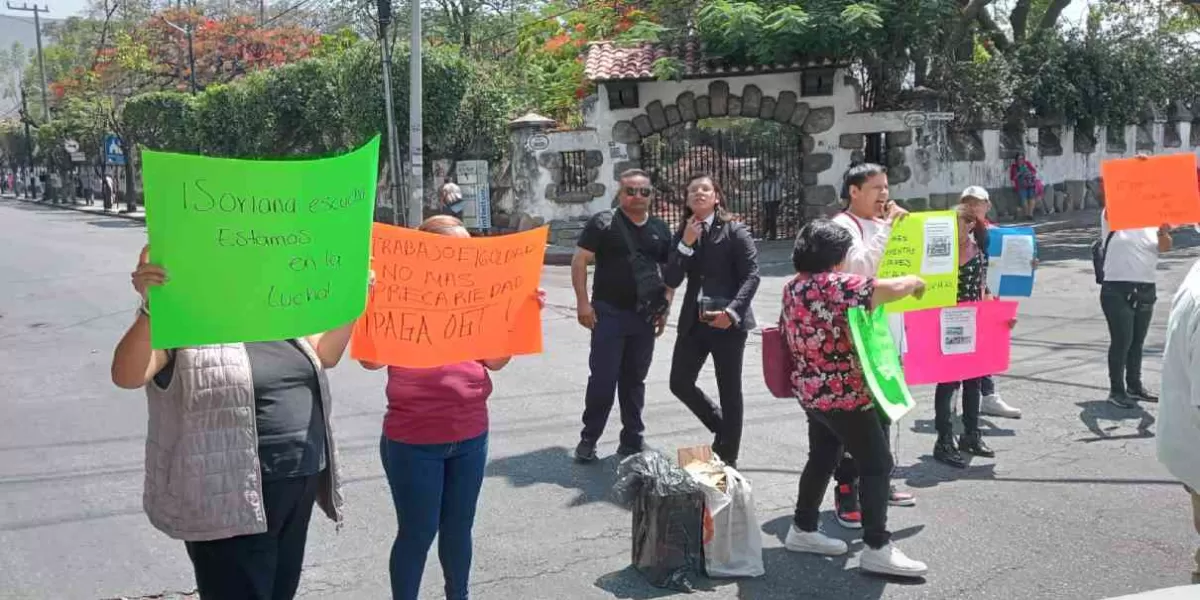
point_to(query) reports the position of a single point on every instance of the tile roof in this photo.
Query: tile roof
(607, 61)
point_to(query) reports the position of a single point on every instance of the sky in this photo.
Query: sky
(64, 8)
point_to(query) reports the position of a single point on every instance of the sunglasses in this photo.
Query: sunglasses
(645, 192)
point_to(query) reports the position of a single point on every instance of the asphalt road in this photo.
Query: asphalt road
(1074, 505)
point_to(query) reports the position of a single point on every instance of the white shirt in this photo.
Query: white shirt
(1179, 406)
(870, 237)
(687, 250)
(1132, 254)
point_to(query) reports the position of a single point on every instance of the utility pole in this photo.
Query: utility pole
(416, 179)
(187, 30)
(262, 12)
(37, 24)
(385, 18)
(28, 137)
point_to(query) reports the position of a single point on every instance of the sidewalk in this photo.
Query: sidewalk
(78, 206)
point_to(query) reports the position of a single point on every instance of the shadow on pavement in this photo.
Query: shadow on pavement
(788, 575)
(1095, 410)
(1075, 244)
(928, 473)
(117, 223)
(556, 466)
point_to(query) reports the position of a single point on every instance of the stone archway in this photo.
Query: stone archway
(801, 165)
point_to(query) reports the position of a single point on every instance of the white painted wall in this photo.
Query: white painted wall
(932, 177)
(565, 141)
(951, 177)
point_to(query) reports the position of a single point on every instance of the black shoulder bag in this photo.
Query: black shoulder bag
(651, 291)
(1099, 251)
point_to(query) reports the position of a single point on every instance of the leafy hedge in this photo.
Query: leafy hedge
(329, 104)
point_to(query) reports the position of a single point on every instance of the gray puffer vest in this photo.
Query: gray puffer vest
(203, 480)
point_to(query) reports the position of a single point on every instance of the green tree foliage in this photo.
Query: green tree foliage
(325, 105)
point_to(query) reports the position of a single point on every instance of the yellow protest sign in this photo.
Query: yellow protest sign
(924, 244)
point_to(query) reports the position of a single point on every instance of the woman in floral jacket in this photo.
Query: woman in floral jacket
(828, 381)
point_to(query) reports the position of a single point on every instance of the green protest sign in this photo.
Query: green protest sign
(880, 362)
(924, 244)
(257, 250)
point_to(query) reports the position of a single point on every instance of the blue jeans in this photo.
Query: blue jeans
(435, 488)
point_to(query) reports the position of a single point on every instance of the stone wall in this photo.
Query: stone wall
(929, 169)
(929, 165)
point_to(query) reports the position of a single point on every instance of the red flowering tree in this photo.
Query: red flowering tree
(224, 49)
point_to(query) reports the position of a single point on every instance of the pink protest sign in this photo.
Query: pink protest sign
(960, 342)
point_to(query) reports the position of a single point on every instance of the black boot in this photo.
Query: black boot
(973, 444)
(945, 452)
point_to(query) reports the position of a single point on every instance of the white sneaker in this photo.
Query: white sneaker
(814, 542)
(889, 560)
(993, 405)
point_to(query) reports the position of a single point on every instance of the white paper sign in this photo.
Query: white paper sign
(938, 255)
(1016, 256)
(896, 325)
(993, 275)
(958, 330)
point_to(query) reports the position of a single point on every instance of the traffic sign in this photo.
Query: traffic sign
(78, 157)
(113, 154)
(71, 146)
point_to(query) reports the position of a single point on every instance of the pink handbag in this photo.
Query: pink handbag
(778, 363)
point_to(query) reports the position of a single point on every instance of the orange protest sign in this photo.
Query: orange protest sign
(1150, 192)
(439, 300)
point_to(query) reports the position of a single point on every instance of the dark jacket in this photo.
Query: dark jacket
(724, 265)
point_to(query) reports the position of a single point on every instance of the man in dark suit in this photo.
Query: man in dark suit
(720, 262)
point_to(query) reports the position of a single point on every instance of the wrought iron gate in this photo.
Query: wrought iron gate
(754, 171)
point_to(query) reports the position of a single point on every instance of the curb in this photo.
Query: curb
(81, 209)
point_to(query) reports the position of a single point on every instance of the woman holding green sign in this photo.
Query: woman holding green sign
(238, 449)
(829, 383)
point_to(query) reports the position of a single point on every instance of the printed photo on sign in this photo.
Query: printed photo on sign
(958, 331)
(938, 258)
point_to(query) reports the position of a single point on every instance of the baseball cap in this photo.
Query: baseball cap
(975, 191)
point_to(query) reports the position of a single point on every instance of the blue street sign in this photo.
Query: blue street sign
(113, 154)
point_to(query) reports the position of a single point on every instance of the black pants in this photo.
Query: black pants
(691, 351)
(264, 566)
(770, 219)
(847, 470)
(861, 433)
(1128, 308)
(943, 407)
(622, 347)
(987, 386)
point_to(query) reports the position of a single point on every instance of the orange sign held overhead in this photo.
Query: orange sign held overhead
(439, 300)
(1151, 191)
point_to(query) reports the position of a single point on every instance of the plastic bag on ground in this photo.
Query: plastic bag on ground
(732, 539)
(668, 519)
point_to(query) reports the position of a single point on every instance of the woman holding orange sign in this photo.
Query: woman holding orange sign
(434, 450)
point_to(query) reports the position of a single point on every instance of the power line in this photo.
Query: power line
(286, 11)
